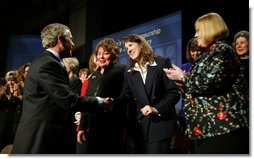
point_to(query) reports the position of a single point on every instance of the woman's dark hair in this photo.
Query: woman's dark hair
(192, 46)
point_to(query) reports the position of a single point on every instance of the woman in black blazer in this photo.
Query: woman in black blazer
(154, 94)
(104, 130)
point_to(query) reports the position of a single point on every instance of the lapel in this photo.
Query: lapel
(139, 87)
(151, 75)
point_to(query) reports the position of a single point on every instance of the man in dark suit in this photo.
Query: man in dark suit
(48, 102)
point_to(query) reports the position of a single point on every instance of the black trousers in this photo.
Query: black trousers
(235, 142)
(159, 147)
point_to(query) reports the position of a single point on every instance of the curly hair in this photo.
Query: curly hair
(51, 32)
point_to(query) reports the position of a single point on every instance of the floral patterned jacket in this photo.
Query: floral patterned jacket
(216, 96)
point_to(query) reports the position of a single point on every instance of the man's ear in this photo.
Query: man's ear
(62, 40)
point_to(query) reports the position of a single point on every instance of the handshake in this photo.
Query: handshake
(108, 104)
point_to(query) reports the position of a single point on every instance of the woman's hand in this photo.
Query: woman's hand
(174, 73)
(147, 110)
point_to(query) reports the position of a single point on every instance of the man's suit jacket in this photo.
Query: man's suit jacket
(158, 91)
(45, 125)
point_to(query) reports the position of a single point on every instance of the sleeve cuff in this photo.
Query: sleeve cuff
(100, 101)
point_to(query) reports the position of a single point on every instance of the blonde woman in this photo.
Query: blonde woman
(216, 106)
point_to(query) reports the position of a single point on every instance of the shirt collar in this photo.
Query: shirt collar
(137, 68)
(54, 53)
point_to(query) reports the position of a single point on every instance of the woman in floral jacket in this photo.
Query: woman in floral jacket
(215, 93)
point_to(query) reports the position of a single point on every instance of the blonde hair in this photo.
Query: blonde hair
(7, 149)
(73, 64)
(11, 76)
(211, 28)
(92, 64)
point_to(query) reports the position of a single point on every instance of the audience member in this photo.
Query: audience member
(11, 108)
(193, 52)
(93, 65)
(241, 47)
(13, 103)
(3, 114)
(83, 74)
(82, 146)
(72, 66)
(22, 72)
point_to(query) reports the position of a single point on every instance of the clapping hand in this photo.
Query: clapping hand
(173, 73)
